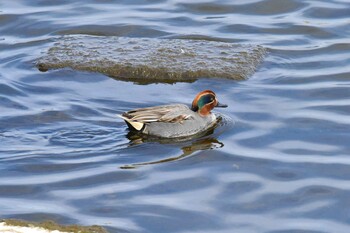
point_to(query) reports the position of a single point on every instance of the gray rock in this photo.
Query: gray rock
(148, 60)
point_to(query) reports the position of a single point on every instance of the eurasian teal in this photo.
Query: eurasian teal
(175, 120)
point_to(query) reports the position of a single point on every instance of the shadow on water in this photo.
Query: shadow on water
(205, 140)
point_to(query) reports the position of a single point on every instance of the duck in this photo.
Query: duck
(175, 120)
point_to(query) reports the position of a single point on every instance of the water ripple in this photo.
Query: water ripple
(280, 155)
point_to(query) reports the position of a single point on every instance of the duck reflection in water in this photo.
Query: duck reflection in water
(189, 145)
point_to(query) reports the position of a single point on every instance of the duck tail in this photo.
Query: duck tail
(132, 124)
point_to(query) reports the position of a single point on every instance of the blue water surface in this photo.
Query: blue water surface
(281, 165)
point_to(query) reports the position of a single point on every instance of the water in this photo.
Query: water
(283, 166)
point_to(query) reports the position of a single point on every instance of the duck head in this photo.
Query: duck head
(205, 101)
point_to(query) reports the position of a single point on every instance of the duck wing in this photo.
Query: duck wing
(175, 113)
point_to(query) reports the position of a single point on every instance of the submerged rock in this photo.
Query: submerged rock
(19, 226)
(147, 60)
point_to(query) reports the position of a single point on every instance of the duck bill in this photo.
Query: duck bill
(219, 105)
